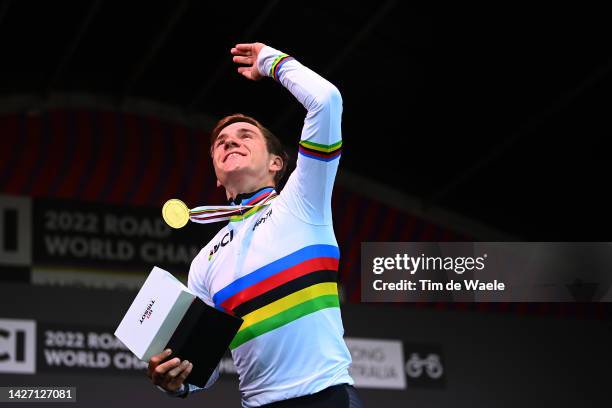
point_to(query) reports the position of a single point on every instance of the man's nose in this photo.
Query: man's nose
(230, 142)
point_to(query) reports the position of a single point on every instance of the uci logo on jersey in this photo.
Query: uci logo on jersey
(227, 238)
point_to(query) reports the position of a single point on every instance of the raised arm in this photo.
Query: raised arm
(308, 190)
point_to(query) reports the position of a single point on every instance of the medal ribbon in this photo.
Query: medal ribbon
(207, 214)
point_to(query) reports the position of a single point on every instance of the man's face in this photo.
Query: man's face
(240, 151)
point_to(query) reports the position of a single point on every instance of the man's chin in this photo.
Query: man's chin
(236, 174)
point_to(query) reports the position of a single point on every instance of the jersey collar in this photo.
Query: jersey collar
(251, 198)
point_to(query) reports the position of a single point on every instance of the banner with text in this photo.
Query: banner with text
(377, 363)
(67, 242)
(30, 347)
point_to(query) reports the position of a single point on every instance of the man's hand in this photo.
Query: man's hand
(170, 374)
(246, 54)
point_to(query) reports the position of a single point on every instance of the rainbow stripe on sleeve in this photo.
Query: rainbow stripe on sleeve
(279, 293)
(320, 151)
(277, 64)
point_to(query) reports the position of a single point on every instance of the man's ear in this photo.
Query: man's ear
(276, 164)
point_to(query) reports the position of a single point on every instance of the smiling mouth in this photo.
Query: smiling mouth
(231, 154)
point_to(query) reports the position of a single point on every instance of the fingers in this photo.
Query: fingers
(160, 371)
(176, 382)
(169, 374)
(251, 49)
(247, 72)
(247, 54)
(244, 47)
(236, 51)
(244, 52)
(243, 60)
(178, 369)
(157, 359)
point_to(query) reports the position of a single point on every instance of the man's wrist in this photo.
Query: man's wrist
(180, 392)
(265, 59)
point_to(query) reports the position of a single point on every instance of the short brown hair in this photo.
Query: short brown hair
(273, 144)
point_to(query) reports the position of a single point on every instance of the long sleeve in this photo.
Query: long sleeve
(309, 188)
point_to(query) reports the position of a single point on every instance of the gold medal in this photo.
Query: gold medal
(175, 213)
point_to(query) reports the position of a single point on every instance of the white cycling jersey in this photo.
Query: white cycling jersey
(276, 266)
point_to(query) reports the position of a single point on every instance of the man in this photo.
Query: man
(277, 265)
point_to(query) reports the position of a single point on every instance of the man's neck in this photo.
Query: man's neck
(233, 195)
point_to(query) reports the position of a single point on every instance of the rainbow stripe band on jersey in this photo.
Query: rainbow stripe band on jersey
(287, 310)
(320, 151)
(277, 64)
(285, 290)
